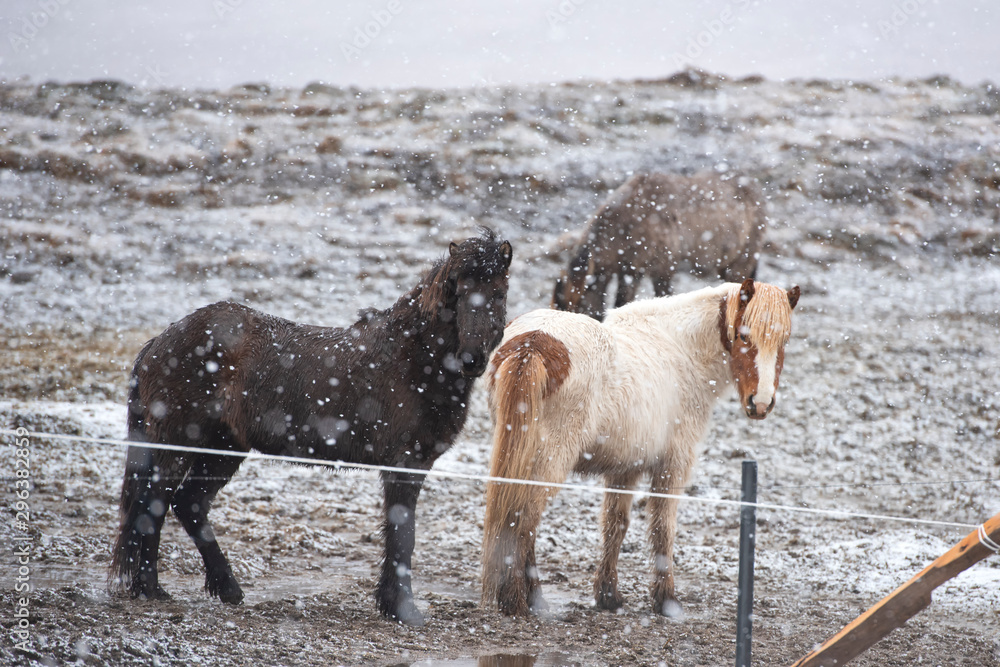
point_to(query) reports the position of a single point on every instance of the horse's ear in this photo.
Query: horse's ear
(452, 248)
(506, 252)
(746, 292)
(793, 296)
(724, 332)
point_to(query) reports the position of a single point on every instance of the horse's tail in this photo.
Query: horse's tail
(125, 554)
(528, 368)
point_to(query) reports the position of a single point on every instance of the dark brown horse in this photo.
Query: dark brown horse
(391, 389)
(657, 224)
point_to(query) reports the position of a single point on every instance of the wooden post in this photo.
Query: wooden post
(903, 603)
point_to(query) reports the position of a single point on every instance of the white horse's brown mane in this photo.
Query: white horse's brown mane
(767, 318)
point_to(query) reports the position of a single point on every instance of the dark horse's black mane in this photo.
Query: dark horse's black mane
(480, 262)
(390, 389)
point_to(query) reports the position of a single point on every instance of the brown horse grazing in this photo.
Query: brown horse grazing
(654, 225)
(630, 396)
(391, 389)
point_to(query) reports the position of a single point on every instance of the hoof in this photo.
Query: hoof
(537, 604)
(408, 614)
(155, 593)
(395, 602)
(225, 587)
(670, 608)
(515, 607)
(232, 597)
(607, 597)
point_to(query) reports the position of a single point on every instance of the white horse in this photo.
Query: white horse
(629, 396)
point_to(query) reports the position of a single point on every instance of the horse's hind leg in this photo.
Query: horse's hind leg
(394, 595)
(209, 473)
(518, 588)
(150, 478)
(536, 602)
(615, 522)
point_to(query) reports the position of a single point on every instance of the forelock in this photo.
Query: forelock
(768, 316)
(480, 257)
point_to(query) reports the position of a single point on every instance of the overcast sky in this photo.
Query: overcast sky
(439, 43)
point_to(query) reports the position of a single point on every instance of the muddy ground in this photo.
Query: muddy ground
(122, 209)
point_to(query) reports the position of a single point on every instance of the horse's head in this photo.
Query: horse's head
(578, 289)
(474, 290)
(755, 323)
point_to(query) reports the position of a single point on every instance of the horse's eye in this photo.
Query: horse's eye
(744, 339)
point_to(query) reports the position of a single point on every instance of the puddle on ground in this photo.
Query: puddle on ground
(337, 574)
(503, 660)
(189, 587)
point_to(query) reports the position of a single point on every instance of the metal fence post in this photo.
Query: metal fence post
(748, 535)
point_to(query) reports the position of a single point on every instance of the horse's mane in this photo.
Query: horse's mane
(431, 292)
(477, 258)
(768, 316)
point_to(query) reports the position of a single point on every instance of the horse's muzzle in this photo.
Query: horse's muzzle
(473, 364)
(753, 412)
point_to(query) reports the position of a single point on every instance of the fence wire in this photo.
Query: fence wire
(454, 474)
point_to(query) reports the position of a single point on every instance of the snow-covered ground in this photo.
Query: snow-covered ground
(125, 208)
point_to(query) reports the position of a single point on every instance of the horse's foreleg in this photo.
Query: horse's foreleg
(394, 595)
(191, 504)
(615, 522)
(743, 267)
(594, 296)
(661, 285)
(628, 284)
(662, 533)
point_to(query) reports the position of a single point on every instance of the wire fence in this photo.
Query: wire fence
(479, 478)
